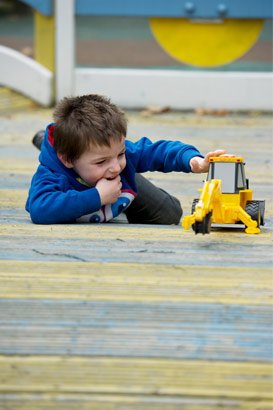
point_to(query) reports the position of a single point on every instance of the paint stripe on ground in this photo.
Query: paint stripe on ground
(127, 329)
(136, 376)
(135, 282)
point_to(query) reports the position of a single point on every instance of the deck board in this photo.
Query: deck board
(205, 331)
(149, 376)
(135, 282)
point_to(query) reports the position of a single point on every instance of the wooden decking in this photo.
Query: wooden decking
(130, 317)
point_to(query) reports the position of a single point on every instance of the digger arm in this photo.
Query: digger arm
(209, 192)
(251, 225)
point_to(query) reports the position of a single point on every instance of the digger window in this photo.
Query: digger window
(226, 172)
(241, 180)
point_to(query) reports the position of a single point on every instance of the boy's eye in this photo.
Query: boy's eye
(100, 162)
(121, 154)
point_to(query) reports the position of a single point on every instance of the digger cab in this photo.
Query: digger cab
(231, 171)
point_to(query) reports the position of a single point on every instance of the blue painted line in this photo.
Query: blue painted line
(173, 315)
(180, 330)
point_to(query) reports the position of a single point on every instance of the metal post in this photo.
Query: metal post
(64, 47)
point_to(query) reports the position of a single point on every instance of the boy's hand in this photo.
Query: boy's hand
(199, 164)
(109, 190)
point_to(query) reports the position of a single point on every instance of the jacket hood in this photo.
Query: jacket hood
(48, 156)
(49, 159)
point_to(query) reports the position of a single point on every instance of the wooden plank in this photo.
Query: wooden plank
(159, 244)
(76, 401)
(201, 251)
(125, 232)
(13, 199)
(135, 282)
(127, 329)
(136, 376)
(18, 165)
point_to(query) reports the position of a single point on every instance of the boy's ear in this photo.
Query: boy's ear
(62, 158)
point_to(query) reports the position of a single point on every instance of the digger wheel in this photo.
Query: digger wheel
(204, 226)
(254, 211)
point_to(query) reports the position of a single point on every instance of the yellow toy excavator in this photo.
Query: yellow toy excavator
(225, 199)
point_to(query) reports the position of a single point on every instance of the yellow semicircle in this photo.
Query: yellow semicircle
(205, 44)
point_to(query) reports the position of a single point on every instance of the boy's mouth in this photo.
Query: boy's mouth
(110, 178)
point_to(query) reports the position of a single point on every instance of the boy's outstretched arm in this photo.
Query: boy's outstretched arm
(199, 164)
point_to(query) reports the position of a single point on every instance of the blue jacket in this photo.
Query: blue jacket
(58, 195)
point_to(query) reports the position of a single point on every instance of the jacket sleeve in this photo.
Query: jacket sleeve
(164, 156)
(51, 201)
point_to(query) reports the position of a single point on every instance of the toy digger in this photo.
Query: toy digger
(225, 199)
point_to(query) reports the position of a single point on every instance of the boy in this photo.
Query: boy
(88, 172)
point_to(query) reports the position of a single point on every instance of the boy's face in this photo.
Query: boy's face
(100, 162)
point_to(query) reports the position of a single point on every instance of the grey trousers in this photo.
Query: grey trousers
(153, 205)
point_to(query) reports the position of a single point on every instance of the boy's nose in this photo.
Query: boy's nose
(115, 166)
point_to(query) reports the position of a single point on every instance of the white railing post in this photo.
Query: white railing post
(64, 47)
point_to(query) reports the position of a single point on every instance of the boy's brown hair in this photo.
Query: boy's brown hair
(81, 122)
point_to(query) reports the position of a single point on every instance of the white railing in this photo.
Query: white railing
(22, 74)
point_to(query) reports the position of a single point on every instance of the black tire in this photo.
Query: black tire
(204, 226)
(253, 210)
(194, 202)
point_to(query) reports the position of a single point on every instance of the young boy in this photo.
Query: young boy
(88, 172)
